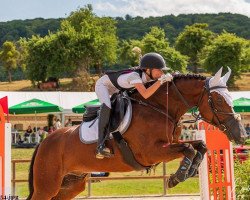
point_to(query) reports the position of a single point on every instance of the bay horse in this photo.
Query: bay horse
(60, 164)
(50, 83)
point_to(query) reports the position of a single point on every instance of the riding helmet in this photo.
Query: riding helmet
(153, 61)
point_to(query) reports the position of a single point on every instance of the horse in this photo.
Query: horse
(60, 164)
(50, 83)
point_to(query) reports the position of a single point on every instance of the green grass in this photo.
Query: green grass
(113, 188)
(117, 187)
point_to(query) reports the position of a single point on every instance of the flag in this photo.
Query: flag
(4, 104)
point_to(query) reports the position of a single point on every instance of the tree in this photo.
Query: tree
(95, 40)
(192, 40)
(9, 57)
(125, 53)
(226, 50)
(83, 41)
(155, 41)
(37, 58)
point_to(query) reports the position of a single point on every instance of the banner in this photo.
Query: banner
(4, 104)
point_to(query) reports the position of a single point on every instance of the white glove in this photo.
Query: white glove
(165, 77)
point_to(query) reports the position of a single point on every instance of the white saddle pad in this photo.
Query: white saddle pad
(89, 130)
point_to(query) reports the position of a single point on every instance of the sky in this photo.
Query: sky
(30, 9)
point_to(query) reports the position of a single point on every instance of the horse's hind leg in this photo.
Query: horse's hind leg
(71, 186)
(182, 173)
(46, 185)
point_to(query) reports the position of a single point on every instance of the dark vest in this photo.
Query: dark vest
(114, 75)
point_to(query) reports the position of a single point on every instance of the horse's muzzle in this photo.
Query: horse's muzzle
(235, 130)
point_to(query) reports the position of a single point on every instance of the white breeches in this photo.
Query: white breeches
(103, 89)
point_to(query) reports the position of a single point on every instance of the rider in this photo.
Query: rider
(151, 68)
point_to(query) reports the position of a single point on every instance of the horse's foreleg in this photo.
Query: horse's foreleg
(71, 186)
(201, 148)
(182, 172)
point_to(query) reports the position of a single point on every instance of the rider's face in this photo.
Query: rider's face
(157, 73)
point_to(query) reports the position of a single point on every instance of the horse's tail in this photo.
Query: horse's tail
(31, 186)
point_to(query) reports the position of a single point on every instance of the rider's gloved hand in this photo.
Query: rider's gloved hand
(165, 77)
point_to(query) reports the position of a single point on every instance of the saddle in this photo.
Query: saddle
(119, 104)
(120, 118)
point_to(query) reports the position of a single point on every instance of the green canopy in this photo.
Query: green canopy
(81, 109)
(34, 106)
(241, 105)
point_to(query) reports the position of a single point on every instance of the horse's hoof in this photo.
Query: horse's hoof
(172, 181)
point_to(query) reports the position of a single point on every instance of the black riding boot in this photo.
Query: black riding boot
(103, 151)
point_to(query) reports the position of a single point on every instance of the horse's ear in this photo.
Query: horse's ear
(226, 76)
(216, 78)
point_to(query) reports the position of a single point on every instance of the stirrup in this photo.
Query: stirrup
(103, 153)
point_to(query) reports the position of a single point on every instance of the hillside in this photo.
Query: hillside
(134, 28)
(67, 85)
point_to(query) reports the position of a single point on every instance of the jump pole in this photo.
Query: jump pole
(5, 156)
(216, 172)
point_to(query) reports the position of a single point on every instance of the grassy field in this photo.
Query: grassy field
(66, 85)
(118, 187)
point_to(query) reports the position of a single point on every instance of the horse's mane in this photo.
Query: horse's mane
(176, 77)
(188, 76)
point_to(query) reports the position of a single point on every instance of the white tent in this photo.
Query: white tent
(68, 100)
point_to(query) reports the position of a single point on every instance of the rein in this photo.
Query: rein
(198, 116)
(152, 107)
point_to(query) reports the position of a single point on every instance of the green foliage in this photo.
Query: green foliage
(174, 59)
(84, 40)
(226, 50)
(13, 30)
(155, 41)
(242, 180)
(246, 57)
(9, 57)
(192, 40)
(92, 40)
(37, 59)
(125, 53)
(136, 27)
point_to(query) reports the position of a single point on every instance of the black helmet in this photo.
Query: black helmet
(153, 61)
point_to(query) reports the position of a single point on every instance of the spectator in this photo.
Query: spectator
(15, 134)
(33, 137)
(41, 135)
(68, 123)
(58, 124)
(51, 129)
(27, 133)
(184, 133)
(248, 129)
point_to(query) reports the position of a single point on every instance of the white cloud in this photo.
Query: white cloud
(147, 8)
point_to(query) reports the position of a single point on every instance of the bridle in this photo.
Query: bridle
(221, 124)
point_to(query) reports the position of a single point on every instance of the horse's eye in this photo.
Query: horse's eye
(219, 100)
